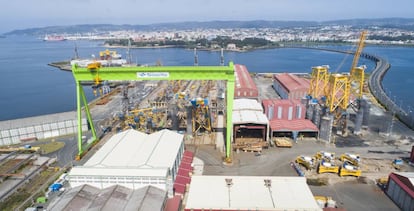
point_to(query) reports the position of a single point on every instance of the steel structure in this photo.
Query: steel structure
(340, 90)
(151, 73)
(319, 81)
(357, 74)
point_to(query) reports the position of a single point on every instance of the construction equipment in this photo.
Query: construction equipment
(113, 73)
(347, 169)
(382, 182)
(325, 155)
(325, 201)
(327, 166)
(107, 55)
(306, 161)
(354, 159)
(397, 164)
(94, 65)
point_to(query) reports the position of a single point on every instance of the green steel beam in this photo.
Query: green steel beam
(154, 73)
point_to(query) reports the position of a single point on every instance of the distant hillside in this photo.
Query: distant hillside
(385, 22)
(400, 23)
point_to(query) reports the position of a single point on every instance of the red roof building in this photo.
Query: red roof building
(290, 86)
(302, 125)
(173, 204)
(244, 85)
(283, 109)
(288, 116)
(184, 173)
(400, 189)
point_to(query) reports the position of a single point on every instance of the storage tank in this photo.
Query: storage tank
(325, 130)
(365, 116)
(316, 119)
(358, 121)
(309, 111)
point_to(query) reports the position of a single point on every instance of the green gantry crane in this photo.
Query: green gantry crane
(98, 74)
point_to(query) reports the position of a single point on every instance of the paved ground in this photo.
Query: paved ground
(383, 141)
(349, 192)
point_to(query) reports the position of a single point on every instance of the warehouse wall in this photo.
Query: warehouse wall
(400, 197)
(40, 131)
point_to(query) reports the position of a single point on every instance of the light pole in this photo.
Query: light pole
(391, 125)
(395, 100)
(411, 116)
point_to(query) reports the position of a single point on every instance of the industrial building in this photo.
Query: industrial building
(227, 193)
(39, 127)
(133, 159)
(400, 189)
(244, 84)
(249, 121)
(287, 119)
(115, 197)
(290, 86)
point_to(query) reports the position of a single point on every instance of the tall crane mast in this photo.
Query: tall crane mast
(357, 74)
(359, 50)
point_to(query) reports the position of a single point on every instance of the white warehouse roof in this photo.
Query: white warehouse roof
(249, 116)
(114, 171)
(248, 111)
(247, 104)
(250, 193)
(133, 149)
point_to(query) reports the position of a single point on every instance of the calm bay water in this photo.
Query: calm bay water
(30, 87)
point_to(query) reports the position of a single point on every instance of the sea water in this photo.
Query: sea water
(30, 87)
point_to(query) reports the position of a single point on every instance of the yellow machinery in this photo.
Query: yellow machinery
(354, 159)
(327, 166)
(139, 119)
(347, 169)
(325, 201)
(306, 161)
(357, 73)
(94, 65)
(382, 182)
(107, 54)
(141, 111)
(325, 155)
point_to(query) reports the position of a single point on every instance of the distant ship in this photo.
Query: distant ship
(106, 58)
(54, 38)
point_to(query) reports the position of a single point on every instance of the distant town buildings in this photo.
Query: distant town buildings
(333, 33)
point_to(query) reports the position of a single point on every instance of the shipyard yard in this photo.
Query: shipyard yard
(376, 149)
(274, 135)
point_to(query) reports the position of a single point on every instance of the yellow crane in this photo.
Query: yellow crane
(357, 74)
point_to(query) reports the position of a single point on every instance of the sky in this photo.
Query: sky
(22, 14)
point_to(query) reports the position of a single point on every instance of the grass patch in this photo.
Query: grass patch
(14, 201)
(50, 147)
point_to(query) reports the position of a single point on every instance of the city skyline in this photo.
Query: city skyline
(43, 13)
